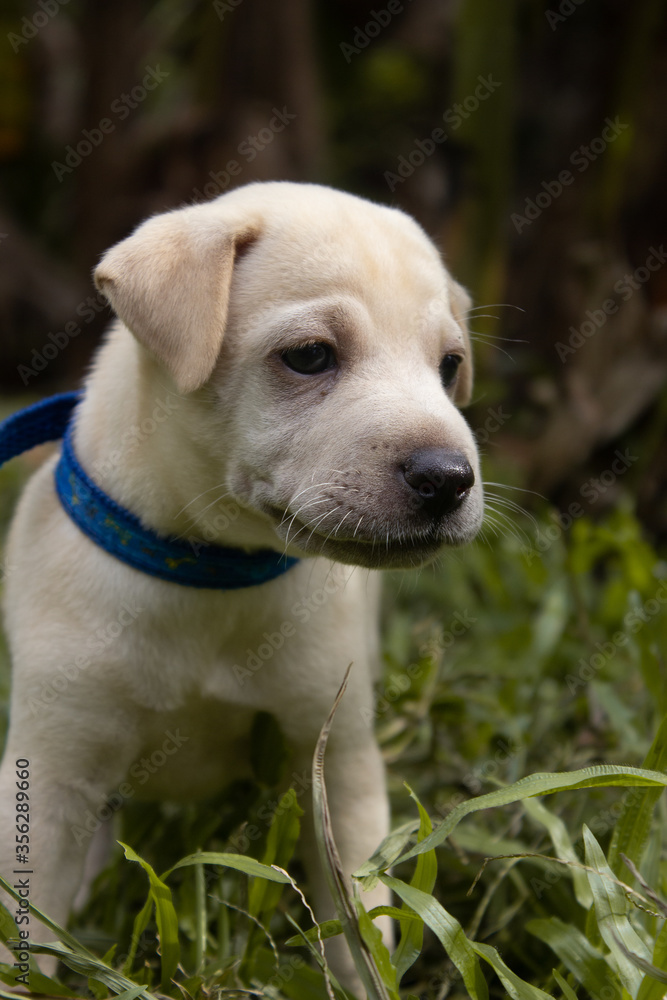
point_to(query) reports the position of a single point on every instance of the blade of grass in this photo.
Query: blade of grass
(577, 954)
(165, 915)
(517, 988)
(92, 968)
(563, 846)
(611, 912)
(449, 932)
(633, 826)
(201, 919)
(240, 863)
(426, 870)
(138, 928)
(602, 775)
(340, 891)
(568, 992)
(650, 989)
(264, 894)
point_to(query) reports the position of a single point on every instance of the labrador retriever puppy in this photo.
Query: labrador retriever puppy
(282, 383)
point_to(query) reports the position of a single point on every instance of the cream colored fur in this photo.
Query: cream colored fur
(192, 420)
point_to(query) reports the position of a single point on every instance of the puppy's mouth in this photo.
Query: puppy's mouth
(388, 546)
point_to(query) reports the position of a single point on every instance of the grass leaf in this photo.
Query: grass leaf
(341, 892)
(633, 826)
(165, 915)
(536, 784)
(449, 932)
(577, 954)
(563, 846)
(568, 992)
(412, 932)
(517, 988)
(650, 989)
(611, 911)
(239, 862)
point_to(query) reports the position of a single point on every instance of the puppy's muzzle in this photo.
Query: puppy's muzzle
(440, 480)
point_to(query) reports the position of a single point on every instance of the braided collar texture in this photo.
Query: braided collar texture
(117, 530)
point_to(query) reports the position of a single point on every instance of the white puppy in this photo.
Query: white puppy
(284, 376)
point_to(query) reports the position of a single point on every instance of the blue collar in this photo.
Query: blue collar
(116, 529)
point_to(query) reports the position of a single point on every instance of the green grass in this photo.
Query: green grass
(500, 663)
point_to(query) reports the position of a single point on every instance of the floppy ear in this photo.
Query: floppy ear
(460, 305)
(169, 283)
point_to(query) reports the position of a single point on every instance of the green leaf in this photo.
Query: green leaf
(340, 891)
(650, 989)
(239, 862)
(517, 988)
(59, 931)
(37, 981)
(165, 915)
(92, 968)
(138, 928)
(611, 911)
(264, 893)
(577, 954)
(563, 846)
(281, 841)
(131, 994)
(331, 928)
(602, 775)
(632, 829)
(372, 936)
(449, 933)
(200, 918)
(412, 932)
(293, 978)
(568, 992)
(8, 929)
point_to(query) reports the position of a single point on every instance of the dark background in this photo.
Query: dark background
(552, 216)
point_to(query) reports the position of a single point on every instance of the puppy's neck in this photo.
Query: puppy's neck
(146, 446)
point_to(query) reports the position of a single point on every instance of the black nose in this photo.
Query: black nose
(440, 479)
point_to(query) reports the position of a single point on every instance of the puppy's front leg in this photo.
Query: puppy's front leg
(355, 781)
(47, 812)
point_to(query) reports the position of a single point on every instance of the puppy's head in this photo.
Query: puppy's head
(330, 347)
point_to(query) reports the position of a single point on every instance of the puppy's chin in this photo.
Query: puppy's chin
(391, 550)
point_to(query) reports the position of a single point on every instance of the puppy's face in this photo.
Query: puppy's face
(337, 376)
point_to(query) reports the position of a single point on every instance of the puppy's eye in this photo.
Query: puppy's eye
(311, 359)
(449, 367)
